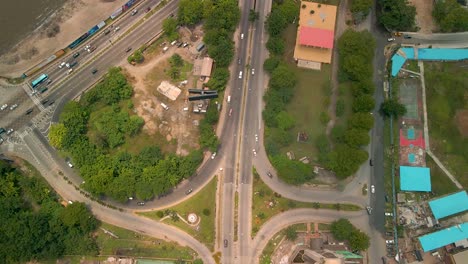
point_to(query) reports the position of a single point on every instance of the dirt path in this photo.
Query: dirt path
(424, 18)
(339, 29)
(75, 18)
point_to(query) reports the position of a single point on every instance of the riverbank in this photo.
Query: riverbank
(71, 21)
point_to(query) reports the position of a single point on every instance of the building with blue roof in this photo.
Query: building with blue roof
(415, 179)
(444, 237)
(449, 205)
(403, 54)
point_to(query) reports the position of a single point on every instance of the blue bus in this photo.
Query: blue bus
(40, 79)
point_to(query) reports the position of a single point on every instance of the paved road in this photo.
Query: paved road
(442, 39)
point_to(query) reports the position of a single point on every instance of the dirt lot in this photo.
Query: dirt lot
(424, 18)
(174, 124)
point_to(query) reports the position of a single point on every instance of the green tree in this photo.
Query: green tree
(364, 104)
(206, 212)
(271, 63)
(356, 137)
(451, 16)
(275, 45)
(170, 28)
(176, 60)
(174, 73)
(219, 79)
(341, 229)
(391, 107)
(361, 8)
(345, 160)
(57, 133)
(190, 12)
(397, 15)
(222, 14)
(291, 233)
(359, 240)
(276, 22)
(198, 261)
(292, 171)
(361, 121)
(77, 215)
(340, 107)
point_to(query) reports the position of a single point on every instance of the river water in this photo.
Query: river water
(18, 18)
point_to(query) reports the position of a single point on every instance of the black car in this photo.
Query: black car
(45, 101)
(107, 32)
(43, 90)
(269, 174)
(189, 191)
(51, 102)
(76, 55)
(406, 37)
(94, 71)
(30, 110)
(128, 49)
(370, 163)
(225, 243)
(2, 130)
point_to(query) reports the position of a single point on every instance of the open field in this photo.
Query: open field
(447, 97)
(309, 100)
(204, 199)
(267, 204)
(440, 182)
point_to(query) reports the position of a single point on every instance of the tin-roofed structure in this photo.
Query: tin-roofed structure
(444, 237)
(449, 205)
(415, 179)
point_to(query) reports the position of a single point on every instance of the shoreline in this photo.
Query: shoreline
(57, 31)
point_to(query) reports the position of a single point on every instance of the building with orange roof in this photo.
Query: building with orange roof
(315, 35)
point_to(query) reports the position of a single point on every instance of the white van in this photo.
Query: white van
(165, 106)
(240, 75)
(173, 42)
(165, 49)
(229, 99)
(242, 36)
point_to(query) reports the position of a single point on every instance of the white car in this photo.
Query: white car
(256, 138)
(116, 29)
(3, 107)
(372, 188)
(61, 65)
(391, 39)
(388, 214)
(10, 131)
(134, 12)
(70, 71)
(13, 107)
(389, 241)
(213, 155)
(69, 164)
(253, 71)
(242, 36)
(254, 152)
(369, 210)
(240, 75)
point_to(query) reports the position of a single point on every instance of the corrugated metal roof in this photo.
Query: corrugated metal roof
(415, 179)
(316, 37)
(449, 205)
(444, 237)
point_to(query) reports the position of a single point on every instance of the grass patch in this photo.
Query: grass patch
(413, 65)
(324, 227)
(447, 101)
(205, 199)
(130, 243)
(265, 258)
(440, 182)
(308, 100)
(267, 204)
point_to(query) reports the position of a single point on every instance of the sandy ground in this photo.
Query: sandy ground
(424, 18)
(173, 124)
(74, 19)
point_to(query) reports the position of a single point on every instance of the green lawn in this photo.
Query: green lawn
(413, 65)
(205, 199)
(269, 249)
(446, 90)
(309, 100)
(267, 204)
(441, 184)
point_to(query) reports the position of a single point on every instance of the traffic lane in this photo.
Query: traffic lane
(11, 96)
(101, 43)
(227, 227)
(245, 217)
(137, 37)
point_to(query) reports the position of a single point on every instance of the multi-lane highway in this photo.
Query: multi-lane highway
(238, 138)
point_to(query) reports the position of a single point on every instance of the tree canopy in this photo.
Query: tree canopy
(451, 16)
(44, 231)
(392, 107)
(397, 15)
(343, 230)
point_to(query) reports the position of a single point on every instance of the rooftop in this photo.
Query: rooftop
(315, 23)
(415, 179)
(449, 205)
(444, 237)
(316, 37)
(461, 257)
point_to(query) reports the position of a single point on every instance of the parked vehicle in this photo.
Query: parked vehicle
(134, 12)
(76, 55)
(189, 191)
(269, 174)
(213, 155)
(4, 107)
(94, 71)
(13, 107)
(11, 130)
